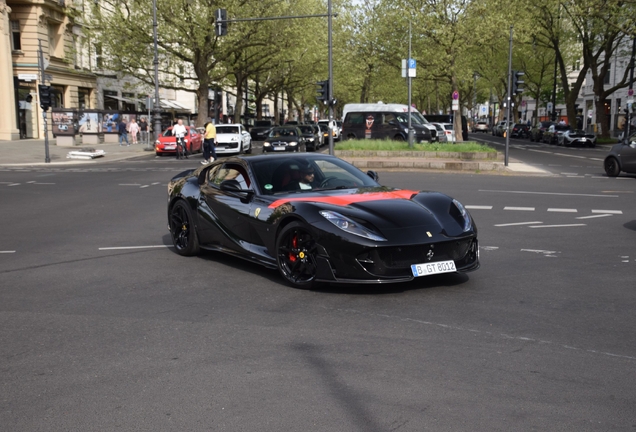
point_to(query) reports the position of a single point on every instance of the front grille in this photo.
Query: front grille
(397, 260)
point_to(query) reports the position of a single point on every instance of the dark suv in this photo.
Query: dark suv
(536, 133)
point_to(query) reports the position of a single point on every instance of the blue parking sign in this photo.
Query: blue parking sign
(412, 63)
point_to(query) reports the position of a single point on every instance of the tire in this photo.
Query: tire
(296, 255)
(182, 229)
(398, 138)
(249, 149)
(612, 167)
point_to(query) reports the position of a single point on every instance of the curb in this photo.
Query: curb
(427, 165)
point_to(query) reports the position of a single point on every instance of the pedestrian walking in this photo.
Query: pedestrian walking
(209, 143)
(133, 130)
(123, 133)
(143, 129)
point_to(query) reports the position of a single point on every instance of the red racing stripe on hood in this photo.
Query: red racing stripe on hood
(343, 200)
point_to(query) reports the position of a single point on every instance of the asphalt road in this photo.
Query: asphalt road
(104, 327)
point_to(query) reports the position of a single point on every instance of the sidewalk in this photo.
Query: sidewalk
(31, 152)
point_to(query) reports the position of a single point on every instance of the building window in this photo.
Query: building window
(128, 104)
(607, 75)
(58, 95)
(111, 103)
(98, 56)
(84, 98)
(16, 44)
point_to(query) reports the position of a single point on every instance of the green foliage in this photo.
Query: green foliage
(386, 145)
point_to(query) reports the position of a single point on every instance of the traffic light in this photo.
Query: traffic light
(220, 24)
(46, 96)
(323, 91)
(517, 82)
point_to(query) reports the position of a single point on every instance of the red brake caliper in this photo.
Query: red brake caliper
(292, 256)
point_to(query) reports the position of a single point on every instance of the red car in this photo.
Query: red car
(167, 144)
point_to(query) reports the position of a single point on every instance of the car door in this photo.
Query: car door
(227, 213)
(628, 156)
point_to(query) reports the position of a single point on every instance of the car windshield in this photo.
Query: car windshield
(307, 129)
(227, 129)
(262, 123)
(283, 132)
(296, 174)
(562, 127)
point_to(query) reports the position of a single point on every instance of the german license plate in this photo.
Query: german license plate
(169, 147)
(279, 148)
(433, 268)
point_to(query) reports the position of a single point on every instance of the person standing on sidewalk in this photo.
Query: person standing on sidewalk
(123, 132)
(179, 131)
(133, 129)
(143, 129)
(208, 143)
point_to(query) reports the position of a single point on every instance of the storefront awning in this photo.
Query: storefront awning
(123, 99)
(170, 104)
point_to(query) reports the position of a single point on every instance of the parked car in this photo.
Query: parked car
(481, 126)
(622, 157)
(167, 143)
(554, 132)
(312, 135)
(448, 118)
(520, 130)
(499, 129)
(284, 139)
(261, 129)
(447, 130)
(536, 132)
(335, 128)
(441, 132)
(577, 137)
(232, 138)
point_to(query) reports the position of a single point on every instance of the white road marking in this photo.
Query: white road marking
(32, 181)
(608, 211)
(155, 183)
(539, 251)
(552, 193)
(6, 252)
(130, 184)
(540, 151)
(569, 174)
(144, 186)
(519, 208)
(557, 226)
(489, 247)
(518, 223)
(567, 155)
(562, 210)
(38, 183)
(594, 216)
(135, 247)
(596, 159)
(477, 207)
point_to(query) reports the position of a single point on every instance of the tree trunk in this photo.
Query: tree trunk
(457, 115)
(290, 106)
(276, 109)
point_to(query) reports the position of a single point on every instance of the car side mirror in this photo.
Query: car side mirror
(374, 175)
(235, 187)
(393, 123)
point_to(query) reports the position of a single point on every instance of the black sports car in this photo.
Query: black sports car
(319, 219)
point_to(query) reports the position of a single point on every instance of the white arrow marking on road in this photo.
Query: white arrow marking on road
(518, 223)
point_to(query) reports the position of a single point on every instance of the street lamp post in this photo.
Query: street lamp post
(157, 105)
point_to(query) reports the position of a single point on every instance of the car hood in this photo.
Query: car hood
(261, 128)
(285, 139)
(227, 136)
(400, 215)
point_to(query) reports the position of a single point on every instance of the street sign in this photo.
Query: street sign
(630, 92)
(28, 77)
(455, 95)
(455, 105)
(412, 65)
(404, 68)
(549, 107)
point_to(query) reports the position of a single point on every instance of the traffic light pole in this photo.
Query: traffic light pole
(47, 158)
(330, 102)
(509, 102)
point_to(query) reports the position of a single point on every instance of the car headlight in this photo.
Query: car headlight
(293, 143)
(464, 214)
(266, 144)
(157, 142)
(234, 139)
(350, 226)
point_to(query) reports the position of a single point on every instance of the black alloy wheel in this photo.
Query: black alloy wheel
(296, 255)
(182, 230)
(612, 168)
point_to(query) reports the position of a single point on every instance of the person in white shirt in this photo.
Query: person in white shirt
(179, 131)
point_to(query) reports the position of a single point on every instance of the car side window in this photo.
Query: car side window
(231, 172)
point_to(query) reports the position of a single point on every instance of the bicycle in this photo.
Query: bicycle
(182, 150)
